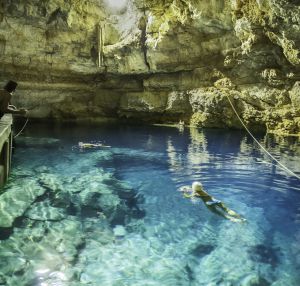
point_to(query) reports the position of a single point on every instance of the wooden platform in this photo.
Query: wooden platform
(5, 147)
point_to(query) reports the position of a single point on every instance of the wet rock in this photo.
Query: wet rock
(49, 239)
(71, 209)
(137, 213)
(119, 231)
(190, 273)
(121, 216)
(100, 236)
(265, 254)
(35, 253)
(51, 182)
(202, 250)
(5, 232)
(99, 192)
(44, 212)
(64, 199)
(91, 182)
(12, 268)
(89, 211)
(32, 142)
(109, 204)
(58, 278)
(42, 169)
(21, 173)
(98, 200)
(65, 238)
(137, 226)
(2, 279)
(254, 280)
(15, 201)
(132, 201)
(32, 231)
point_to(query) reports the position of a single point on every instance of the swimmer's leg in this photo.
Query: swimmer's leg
(225, 212)
(228, 211)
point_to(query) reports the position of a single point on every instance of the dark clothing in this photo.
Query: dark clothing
(5, 97)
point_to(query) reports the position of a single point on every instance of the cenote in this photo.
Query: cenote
(134, 162)
(114, 215)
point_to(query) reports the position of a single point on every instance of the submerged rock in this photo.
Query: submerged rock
(254, 280)
(202, 250)
(92, 182)
(99, 192)
(15, 201)
(119, 231)
(66, 212)
(265, 254)
(5, 232)
(51, 181)
(32, 142)
(44, 212)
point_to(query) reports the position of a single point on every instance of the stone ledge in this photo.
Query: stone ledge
(5, 147)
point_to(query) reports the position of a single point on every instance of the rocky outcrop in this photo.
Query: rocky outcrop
(156, 61)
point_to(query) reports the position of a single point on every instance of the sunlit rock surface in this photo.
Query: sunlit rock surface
(156, 61)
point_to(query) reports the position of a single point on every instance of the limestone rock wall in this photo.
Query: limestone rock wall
(156, 61)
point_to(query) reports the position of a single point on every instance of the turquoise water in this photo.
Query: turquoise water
(114, 216)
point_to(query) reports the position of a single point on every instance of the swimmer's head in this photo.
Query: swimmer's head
(197, 186)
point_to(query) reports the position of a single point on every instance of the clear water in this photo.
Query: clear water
(168, 239)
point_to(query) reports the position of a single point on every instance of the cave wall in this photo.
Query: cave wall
(161, 61)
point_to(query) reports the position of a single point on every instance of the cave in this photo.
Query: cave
(149, 142)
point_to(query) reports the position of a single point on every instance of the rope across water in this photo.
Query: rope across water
(283, 167)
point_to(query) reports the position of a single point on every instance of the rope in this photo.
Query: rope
(25, 121)
(22, 128)
(283, 167)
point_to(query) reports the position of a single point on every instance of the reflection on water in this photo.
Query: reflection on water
(114, 216)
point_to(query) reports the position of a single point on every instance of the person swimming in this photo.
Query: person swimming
(211, 203)
(91, 145)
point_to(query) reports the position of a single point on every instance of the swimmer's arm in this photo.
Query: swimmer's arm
(188, 196)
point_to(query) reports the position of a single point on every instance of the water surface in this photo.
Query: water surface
(114, 216)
